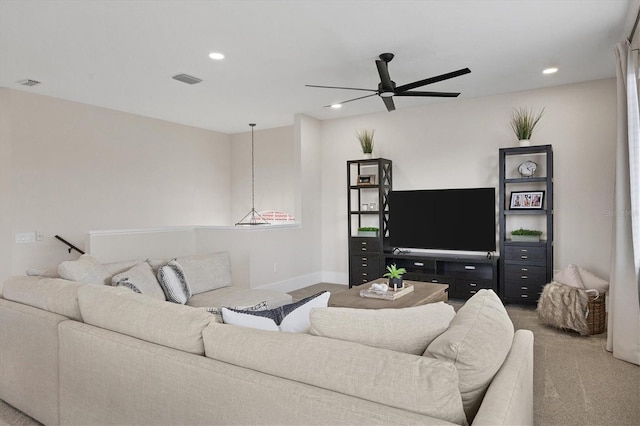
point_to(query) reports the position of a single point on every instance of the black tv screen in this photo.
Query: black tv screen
(443, 219)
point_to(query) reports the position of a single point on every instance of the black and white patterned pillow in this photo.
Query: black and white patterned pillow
(262, 306)
(173, 282)
(293, 318)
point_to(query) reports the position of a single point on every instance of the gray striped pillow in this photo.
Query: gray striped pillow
(173, 282)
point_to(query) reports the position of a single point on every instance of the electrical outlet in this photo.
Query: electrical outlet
(275, 267)
(39, 236)
(26, 237)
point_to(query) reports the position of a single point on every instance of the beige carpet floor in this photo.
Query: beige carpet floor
(576, 381)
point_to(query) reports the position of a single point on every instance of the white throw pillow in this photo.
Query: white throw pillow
(140, 279)
(173, 282)
(408, 330)
(206, 272)
(592, 282)
(217, 312)
(569, 276)
(293, 318)
(85, 270)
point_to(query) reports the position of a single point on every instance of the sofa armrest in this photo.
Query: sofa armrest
(509, 398)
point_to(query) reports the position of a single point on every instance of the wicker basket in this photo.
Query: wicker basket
(596, 317)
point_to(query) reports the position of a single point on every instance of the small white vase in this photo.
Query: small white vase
(525, 142)
(368, 155)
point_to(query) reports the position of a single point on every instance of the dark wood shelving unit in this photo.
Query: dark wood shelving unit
(366, 260)
(525, 267)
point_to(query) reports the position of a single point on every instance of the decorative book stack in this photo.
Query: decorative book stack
(386, 295)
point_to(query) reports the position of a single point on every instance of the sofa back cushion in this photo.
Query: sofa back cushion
(87, 270)
(123, 311)
(418, 384)
(50, 294)
(407, 330)
(205, 272)
(477, 343)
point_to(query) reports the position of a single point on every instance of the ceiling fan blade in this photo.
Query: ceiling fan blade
(388, 102)
(383, 71)
(434, 94)
(339, 87)
(432, 80)
(354, 99)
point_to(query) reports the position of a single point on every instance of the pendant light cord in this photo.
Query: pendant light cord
(253, 178)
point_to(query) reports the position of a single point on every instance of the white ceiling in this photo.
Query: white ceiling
(122, 54)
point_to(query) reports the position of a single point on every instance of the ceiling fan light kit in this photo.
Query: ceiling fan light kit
(387, 88)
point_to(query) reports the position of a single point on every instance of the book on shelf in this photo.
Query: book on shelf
(386, 295)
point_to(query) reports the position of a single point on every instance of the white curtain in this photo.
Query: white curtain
(623, 338)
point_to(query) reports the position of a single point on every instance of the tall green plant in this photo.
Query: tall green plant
(366, 140)
(523, 121)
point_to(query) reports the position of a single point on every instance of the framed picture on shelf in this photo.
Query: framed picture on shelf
(526, 200)
(366, 179)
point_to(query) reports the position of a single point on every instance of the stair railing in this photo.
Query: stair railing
(71, 246)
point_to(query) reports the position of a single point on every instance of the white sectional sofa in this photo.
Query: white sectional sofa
(77, 353)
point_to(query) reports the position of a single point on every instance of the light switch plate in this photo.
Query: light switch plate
(26, 237)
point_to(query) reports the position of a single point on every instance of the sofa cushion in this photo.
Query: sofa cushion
(477, 343)
(407, 330)
(141, 278)
(206, 272)
(50, 294)
(293, 318)
(85, 270)
(174, 283)
(234, 296)
(417, 384)
(143, 317)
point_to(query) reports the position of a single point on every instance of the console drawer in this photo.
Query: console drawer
(525, 253)
(521, 273)
(469, 270)
(525, 292)
(365, 245)
(365, 268)
(465, 288)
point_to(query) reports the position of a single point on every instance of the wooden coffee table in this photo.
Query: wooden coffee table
(422, 294)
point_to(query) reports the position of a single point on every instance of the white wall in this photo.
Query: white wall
(68, 168)
(274, 171)
(455, 144)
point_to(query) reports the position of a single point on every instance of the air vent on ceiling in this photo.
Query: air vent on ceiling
(186, 78)
(28, 82)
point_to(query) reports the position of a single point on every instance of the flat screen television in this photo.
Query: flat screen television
(443, 219)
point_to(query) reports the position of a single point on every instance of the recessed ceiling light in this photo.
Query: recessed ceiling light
(551, 70)
(336, 106)
(217, 56)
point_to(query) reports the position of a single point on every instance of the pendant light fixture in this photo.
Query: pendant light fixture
(253, 217)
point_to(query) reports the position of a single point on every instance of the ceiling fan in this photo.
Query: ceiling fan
(387, 88)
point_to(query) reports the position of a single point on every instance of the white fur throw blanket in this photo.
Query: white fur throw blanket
(563, 306)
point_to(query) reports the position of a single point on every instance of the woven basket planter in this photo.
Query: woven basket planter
(597, 315)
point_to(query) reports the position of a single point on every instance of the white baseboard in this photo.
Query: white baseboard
(335, 277)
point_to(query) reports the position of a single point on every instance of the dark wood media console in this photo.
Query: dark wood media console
(465, 274)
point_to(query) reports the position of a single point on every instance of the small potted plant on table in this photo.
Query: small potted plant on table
(395, 276)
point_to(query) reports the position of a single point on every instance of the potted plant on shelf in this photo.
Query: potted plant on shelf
(368, 231)
(526, 235)
(395, 276)
(366, 142)
(523, 121)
